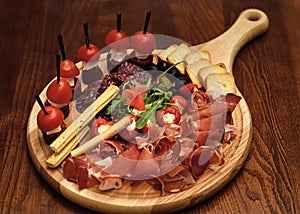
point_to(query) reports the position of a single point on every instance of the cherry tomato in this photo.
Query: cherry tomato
(188, 89)
(68, 69)
(59, 93)
(86, 54)
(163, 113)
(51, 121)
(177, 99)
(118, 40)
(143, 43)
(97, 123)
(129, 133)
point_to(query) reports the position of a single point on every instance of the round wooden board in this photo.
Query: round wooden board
(143, 199)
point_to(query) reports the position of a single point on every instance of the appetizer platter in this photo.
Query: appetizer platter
(165, 150)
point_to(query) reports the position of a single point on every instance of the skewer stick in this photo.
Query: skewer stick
(82, 121)
(61, 47)
(57, 69)
(109, 133)
(38, 99)
(86, 35)
(119, 18)
(148, 16)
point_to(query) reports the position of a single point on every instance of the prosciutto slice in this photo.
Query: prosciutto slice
(124, 165)
(147, 167)
(84, 179)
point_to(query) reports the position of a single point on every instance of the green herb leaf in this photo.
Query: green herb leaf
(145, 116)
(117, 102)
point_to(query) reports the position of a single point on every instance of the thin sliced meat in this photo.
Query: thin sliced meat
(84, 179)
(109, 183)
(199, 161)
(110, 148)
(69, 170)
(124, 165)
(147, 166)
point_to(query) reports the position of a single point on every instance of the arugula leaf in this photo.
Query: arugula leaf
(145, 116)
(118, 102)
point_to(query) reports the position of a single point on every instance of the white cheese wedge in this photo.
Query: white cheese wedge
(57, 105)
(70, 81)
(53, 131)
(118, 55)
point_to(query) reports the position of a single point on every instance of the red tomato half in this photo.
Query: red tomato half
(68, 69)
(51, 121)
(118, 40)
(143, 43)
(86, 54)
(59, 93)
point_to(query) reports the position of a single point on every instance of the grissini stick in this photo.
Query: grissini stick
(109, 133)
(63, 140)
(57, 158)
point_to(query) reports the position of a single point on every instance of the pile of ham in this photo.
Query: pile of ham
(170, 158)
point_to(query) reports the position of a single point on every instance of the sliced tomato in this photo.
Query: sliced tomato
(138, 103)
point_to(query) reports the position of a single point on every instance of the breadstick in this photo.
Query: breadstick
(63, 140)
(54, 160)
(109, 133)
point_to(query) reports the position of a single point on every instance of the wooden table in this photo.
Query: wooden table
(267, 72)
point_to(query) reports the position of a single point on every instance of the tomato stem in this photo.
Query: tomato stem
(61, 46)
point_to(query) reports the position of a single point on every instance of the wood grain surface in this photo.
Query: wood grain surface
(266, 72)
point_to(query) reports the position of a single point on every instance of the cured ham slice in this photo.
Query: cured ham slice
(177, 179)
(84, 179)
(199, 161)
(155, 132)
(109, 183)
(110, 148)
(69, 170)
(147, 167)
(124, 165)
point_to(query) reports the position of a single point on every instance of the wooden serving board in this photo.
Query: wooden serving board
(142, 198)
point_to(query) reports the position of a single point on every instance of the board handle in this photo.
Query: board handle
(250, 24)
